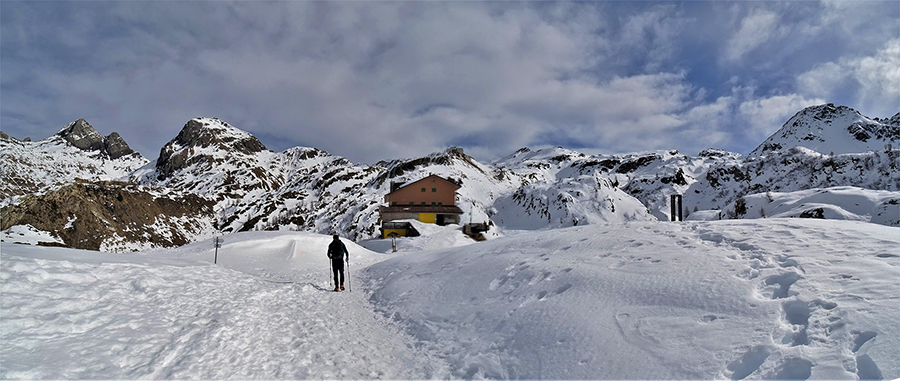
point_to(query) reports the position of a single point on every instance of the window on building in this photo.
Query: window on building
(395, 203)
(411, 203)
(433, 190)
(423, 189)
(423, 203)
(433, 203)
(440, 203)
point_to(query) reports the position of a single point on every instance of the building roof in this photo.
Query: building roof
(421, 209)
(426, 178)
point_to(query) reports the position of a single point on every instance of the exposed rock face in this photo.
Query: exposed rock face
(113, 216)
(116, 146)
(185, 149)
(83, 136)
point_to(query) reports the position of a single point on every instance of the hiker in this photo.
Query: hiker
(337, 252)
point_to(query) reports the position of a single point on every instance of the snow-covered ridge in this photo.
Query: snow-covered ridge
(791, 170)
(833, 129)
(30, 166)
(253, 188)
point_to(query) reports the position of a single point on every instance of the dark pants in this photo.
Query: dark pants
(338, 268)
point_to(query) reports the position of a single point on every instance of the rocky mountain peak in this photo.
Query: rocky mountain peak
(832, 129)
(212, 132)
(4, 136)
(82, 135)
(210, 144)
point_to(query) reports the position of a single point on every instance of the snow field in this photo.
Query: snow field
(785, 299)
(88, 318)
(738, 299)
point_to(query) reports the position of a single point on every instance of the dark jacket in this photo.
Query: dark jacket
(337, 251)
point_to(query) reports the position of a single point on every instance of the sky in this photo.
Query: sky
(382, 80)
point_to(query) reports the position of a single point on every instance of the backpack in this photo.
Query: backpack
(336, 250)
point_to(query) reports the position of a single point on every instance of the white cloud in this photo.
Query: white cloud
(879, 75)
(706, 125)
(823, 80)
(379, 80)
(757, 28)
(649, 36)
(767, 115)
(872, 82)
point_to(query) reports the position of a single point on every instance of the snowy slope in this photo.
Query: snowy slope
(262, 313)
(833, 129)
(781, 299)
(206, 157)
(742, 299)
(838, 203)
(308, 189)
(650, 177)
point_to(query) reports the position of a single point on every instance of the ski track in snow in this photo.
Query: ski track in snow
(65, 320)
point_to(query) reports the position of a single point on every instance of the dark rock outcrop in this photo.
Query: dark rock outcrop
(116, 147)
(203, 133)
(83, 136)
(107, 214)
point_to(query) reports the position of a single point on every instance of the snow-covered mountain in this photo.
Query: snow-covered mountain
(248, 187)
(77, 151)
(831, 129)
(309, 189)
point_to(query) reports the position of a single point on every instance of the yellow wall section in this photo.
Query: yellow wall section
(400, 232)
(428, 218)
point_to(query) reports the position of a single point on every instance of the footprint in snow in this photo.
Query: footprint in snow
(749, 362)
(562, 289)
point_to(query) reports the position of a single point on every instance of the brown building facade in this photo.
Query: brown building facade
(430, 200)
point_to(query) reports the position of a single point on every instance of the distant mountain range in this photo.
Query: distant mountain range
(94, 192)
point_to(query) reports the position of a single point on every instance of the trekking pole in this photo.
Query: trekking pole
(331, 274)
(349, 286)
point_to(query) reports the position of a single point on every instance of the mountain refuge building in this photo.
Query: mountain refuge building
(429, 200)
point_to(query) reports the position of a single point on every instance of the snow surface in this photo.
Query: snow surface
(263, 312)
(765, 298)
(28, 235)
(837, 203)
